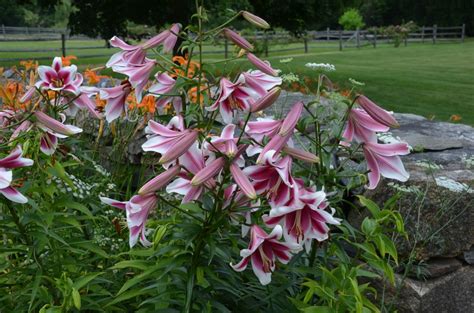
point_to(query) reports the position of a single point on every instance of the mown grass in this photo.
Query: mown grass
(430, 80)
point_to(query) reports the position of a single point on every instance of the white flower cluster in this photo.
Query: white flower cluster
(407, 189)
(469, 161)
(321, 66)
(428, 165)
(79, 189)
(101, 170)
(105, 241)
(290, 78)
(287, 60)
(452, 185)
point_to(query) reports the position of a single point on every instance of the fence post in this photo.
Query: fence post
(63, 44)
(358, 37)
(266, 44)
(422, 34)
(435, 31)
(305, 40)
(463, 32)
(327, 34)
(27, 32)
(340, 40)
(226, 48)
(375, 39)
(3, 30)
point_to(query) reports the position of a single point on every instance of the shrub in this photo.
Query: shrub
(351, 19)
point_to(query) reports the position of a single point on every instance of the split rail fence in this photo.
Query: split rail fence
(60, 42)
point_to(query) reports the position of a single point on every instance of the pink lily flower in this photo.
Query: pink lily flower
(59, 78)
(137, 210)
(164, 86)
(263, 127)
(263, 66)
(84, 101)
(266, 101)
(116, 97)
(170, 41)
(226, 143)
(53, 130)
(171, 141)
(264, 249)
(260, 82)
(383, 159)
(138, 75)
(5, 117)
(208, 172)
(273, 178)
(361, 127)
(285, 132)
(376, 112)
(55, 127)
(237, 39)
(11, 161)
(305, 218)
(232, 96)
(159, 181)
(301, 154)
(193, 161)
(135, 55)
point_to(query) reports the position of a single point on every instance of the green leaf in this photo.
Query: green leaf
(83, 281)
(35, 288)
(201, 280)
(159, 234)
(390, 247)
(368, 226)
(317, 309)
(76, 298)
(92, 248)
(140, 264)
(370, 205)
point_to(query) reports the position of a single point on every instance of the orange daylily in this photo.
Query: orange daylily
(192, 93)
(183, 62)
(92, 77)
(10, 93)
(29, 64)
(67, 59)
(455, 118)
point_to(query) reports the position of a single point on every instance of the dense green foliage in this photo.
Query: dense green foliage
(351, 19)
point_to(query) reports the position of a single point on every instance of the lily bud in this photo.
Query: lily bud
(180, 147)
(208, 172)
(55, 125)
(377, 113)
(266, 100)
(237, 39)
(264, 66)
(291, 119)
(301, 154)
(255, 20)
(159, 181)
(242, 181)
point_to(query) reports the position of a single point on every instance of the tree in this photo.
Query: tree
(351, 19)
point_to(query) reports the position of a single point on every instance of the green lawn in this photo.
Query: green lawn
(423, 79)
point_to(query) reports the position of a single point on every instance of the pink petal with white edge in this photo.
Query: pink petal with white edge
(118, 204)
(6, 178)
(13, 195)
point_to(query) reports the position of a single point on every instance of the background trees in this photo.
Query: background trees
(106, 17)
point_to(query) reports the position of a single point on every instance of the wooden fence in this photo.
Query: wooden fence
(272, 41)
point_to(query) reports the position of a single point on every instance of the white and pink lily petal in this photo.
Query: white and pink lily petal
(11, 161)
(264, 250)
(361, 127)
(233, 96)
(137, 210)
(116, 97)
(383, 160)
(59, 78)
(260, 82)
